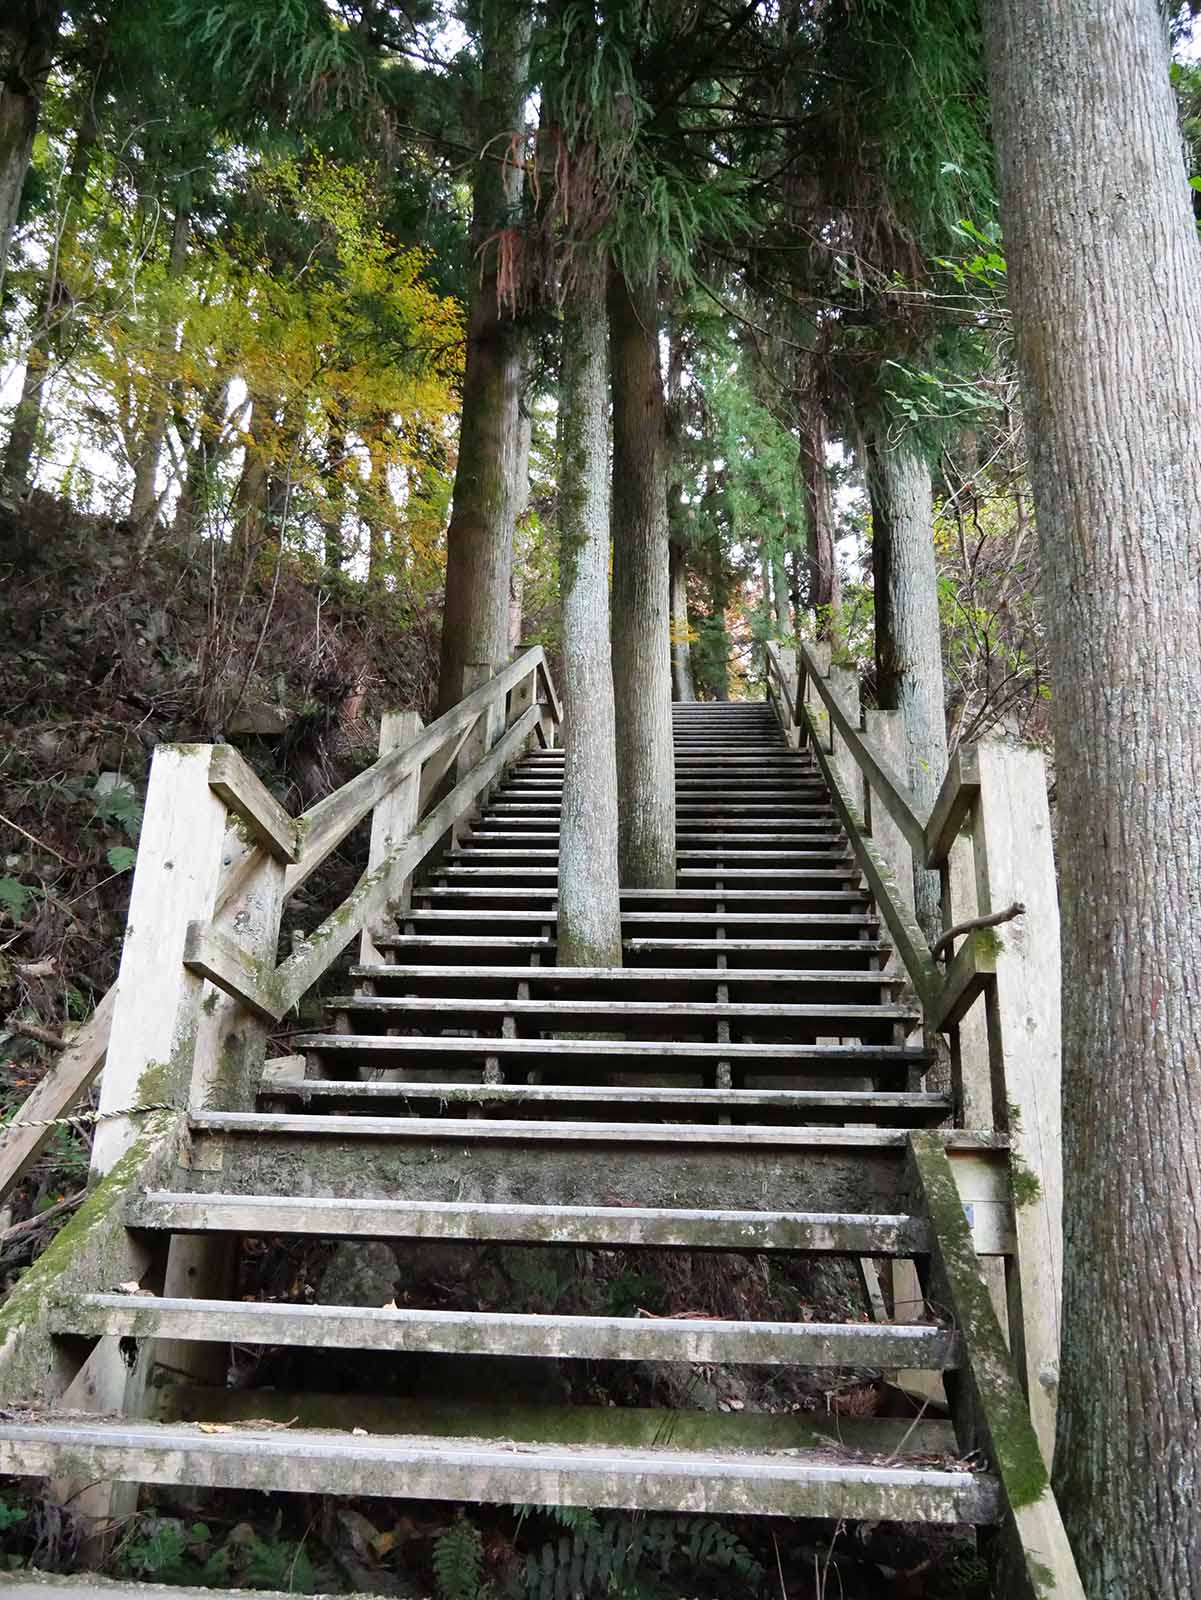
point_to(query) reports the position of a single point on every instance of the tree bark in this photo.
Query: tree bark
(824, 584)
(641, 600)
(479, 541)
(203, 460)
(908, 639)
(52, 317)
(589, 900)
(26, 51)
(682, 686)
(521, 507)
(144, 501)
(1105, 286)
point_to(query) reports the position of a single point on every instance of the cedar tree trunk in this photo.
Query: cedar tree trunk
(641, 598)
(479, 541)
(589, 902)
(682, 687)
(908, 641)
(1105, 272)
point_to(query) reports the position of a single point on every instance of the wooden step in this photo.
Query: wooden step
(812, 1107)
(600, 1227)
(658, 1055)
(919, 1346)
(405, 1011)
(895, 1438)
(630, 982)
(320, 1463)
(467, 1131)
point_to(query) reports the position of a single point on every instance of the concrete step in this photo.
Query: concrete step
(317, 1462)
(920, 1346)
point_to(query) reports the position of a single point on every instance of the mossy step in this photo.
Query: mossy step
(597, 1226)
(475, 1130)
(527, 1423)
(552, 1336)
(314, 1462)
(800, 1105)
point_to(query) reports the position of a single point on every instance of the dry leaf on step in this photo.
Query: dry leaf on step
(214, 1427)
(134, 1287)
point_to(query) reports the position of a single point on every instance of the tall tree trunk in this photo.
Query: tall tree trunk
(52, 318)
(908, 640)
(824, 584)
(641, 601)
(203, 458)
(521, 506)
(143, 504)
(333, 510)
(682, 686)
(1105, 287)
(479, 541)
(589, 900)
(26, 49)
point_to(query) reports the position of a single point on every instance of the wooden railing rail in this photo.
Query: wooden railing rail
(265, 856)
(988, 835)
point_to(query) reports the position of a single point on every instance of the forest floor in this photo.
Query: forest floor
(111, 650)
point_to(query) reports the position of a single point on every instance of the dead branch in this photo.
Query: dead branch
(1017, 909)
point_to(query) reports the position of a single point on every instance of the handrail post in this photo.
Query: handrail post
(483, 735)
(787, 657)
(157, 1012)
(1015, 863)
(394, 818)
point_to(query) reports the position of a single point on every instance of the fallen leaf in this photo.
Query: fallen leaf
(359, 1433)
(214, 1427)
(267, 1422)
(134, 1287)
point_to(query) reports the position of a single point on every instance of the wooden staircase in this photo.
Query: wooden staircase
(752, 1079)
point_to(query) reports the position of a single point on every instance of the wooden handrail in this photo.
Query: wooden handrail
(305, 842)
(273, 993)
(891, 790)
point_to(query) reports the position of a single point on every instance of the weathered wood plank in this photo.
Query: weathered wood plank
(990, 1411)
(369, 898)
(852, 1233)
(395, 817)
(445, 1469)
(887, 786)
(233, 780)
(902, 925)
(959, 793)
(325, 825)
(577, 1338)
(72, 1072)
(968, 975)
(231, 967)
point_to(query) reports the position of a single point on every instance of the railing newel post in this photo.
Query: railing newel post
(394, 818)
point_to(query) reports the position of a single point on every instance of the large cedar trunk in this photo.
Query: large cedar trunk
(589, 902)
(682, 687)
(908, 641)
(26, 48)
(641, 599)
(1105, 276)
(479, 541)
